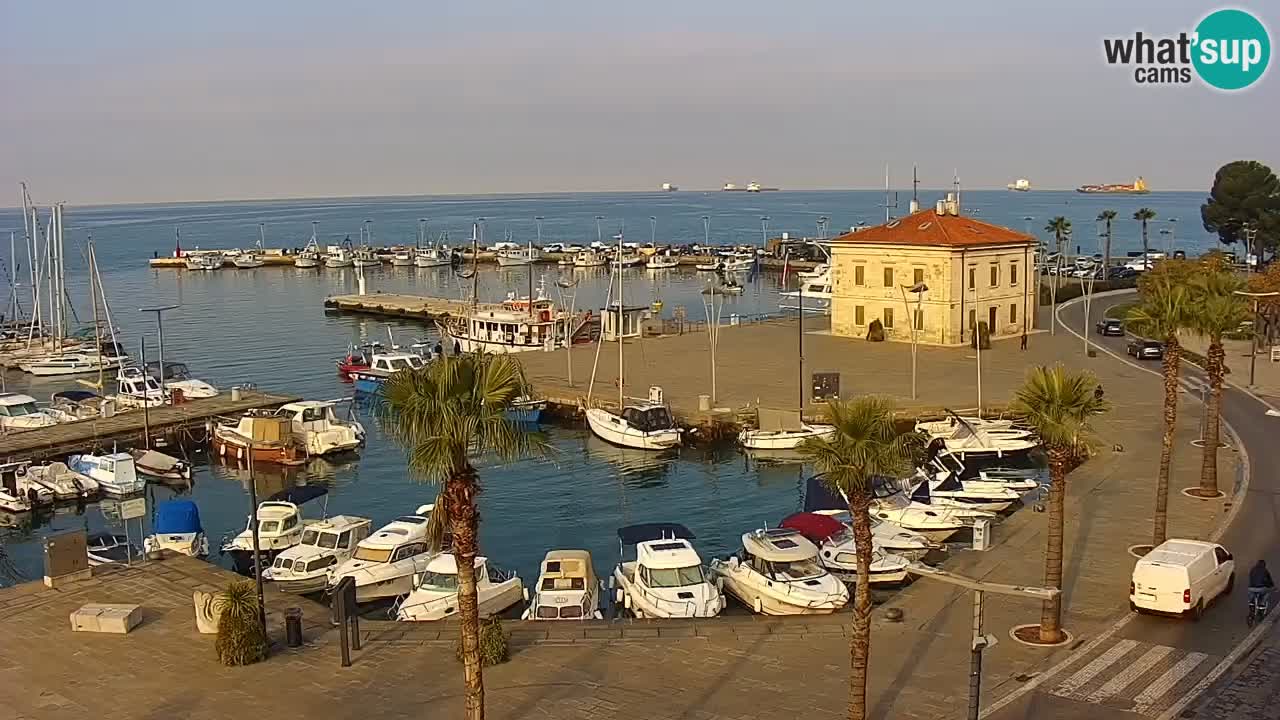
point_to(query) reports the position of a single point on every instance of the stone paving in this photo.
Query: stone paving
(1253, 692)
(724, 669)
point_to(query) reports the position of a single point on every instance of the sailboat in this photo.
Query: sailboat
(248, 259)
(641, 424)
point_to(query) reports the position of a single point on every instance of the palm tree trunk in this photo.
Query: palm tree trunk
(1169, 367)
(1217, 362)
(1051, 611)
(460, 492)
(1145, 250)
(1106, 253)
(860, 640)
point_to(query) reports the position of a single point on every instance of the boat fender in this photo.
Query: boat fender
(758, 606)
(626, 601)
(620, 596)
(525, 593)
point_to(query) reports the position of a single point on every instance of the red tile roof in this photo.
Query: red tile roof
(928, 228)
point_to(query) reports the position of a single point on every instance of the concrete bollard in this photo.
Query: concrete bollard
(704, 403)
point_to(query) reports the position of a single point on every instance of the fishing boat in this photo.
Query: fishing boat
(365, 257)
(435, 590)
(65, 484)
(19, 412)
(430, 257)
(203, 261)
(250, 259)
(176, 528)
(280, 527)
(777, 573)
(260, 433)
(590, 258)
(358, 357)
(381, 367)
(115, 472)
(402, 258)
(176, 378)
(511, 257)
(317, 429)
(838, 553)
(310, 257)
(662, 260)
(715, 266)
(739, 262)
(136, 390)
(385, 563)
(666, 578)
(339, 257)
(567, 588)
(305, 567)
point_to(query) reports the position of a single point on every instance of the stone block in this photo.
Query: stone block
(106, 618)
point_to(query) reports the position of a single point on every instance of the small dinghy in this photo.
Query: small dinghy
(66, 484)
(177, 528)
(107, 549)
(165, 468)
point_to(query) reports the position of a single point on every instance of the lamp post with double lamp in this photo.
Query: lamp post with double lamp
(764, 230)
(159, 311)
(1253, 341)
(822, 227)
(919, 289)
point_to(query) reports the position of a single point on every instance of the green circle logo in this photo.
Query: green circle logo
(1232, 49)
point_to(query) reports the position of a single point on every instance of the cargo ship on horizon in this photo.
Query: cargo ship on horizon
(1139, 187)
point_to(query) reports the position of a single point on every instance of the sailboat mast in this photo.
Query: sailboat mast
(475, 265)
(800, 334)
(97, 332)
(621, 340)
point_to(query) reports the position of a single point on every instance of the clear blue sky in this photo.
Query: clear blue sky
(152, 101)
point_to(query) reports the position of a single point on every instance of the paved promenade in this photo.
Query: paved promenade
(722, 669)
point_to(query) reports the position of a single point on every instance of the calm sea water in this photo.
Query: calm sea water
(267, 327)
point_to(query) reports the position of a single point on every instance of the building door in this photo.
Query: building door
(991, 319)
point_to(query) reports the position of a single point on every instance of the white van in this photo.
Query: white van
(1181, 577)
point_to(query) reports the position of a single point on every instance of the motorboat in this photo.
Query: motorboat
(662, 261)
(385, 563)
(838, 552)
(75, 405)
(115, 472)
(106, 548)
(590, 258)
(269, 437)
(777, 573)
(338, 257)
(381, 367)
(936, 524)
(365, 257)
(526, 410)
(165, 468)
(402, 258)
(135, 389)
(965, 440)
(567, 588)
(304, 568)
(19, 412)
(709, 267)
(942, 462)
(280, 527)
(248, 260)
(430, 257)
(813, 296)
(435, 590)
(317, 429)
(782, 430)
(892, 537)
(947, 425)
(65, 484)
(358, 357)
(667, 578)
(630, 259)
(177, 378)
(817, 272)
(738, 262)
(72, 363)
(511, 257)
(949, 490)
(177, 528)
(643, 424)
(18, 493)
(203, 261)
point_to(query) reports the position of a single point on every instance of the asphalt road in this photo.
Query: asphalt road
(1253, 534)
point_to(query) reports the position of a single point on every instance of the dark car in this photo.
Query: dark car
(1121, 273)
(1145, 349)
(1114, 328)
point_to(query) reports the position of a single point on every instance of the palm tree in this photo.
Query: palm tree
(1061, 229)
(1106, 216)
(443, 414)
(1164, 310)
(865, 446)
(1144, 215)
(1216, 311)
(1058, 405)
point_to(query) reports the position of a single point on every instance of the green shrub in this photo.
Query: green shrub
(241, 640)
(493, 644)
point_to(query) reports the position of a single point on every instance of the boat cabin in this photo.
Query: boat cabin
(322, 543)
(782, 555)
(392, 362)
(114, 470)
(624, 323)
(14, 405)
(310, 415)
(664, 556)
(133, 383)
(648, 417)
(173, 371)
(567, 587)
(513, 326)
(399, 539)
(277, 520)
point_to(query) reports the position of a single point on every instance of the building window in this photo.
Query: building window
(995, 275)
(991, 319)
(859, 314)
(888, 277)
(1013, 313)
(888, 317)
(919, 318)
(973, 278)
(973, 320)
(917, 276)
(860, 277)
(1013, 273)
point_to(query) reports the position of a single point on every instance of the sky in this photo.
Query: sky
(143, 101)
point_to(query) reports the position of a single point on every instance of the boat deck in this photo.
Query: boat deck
(127, 427)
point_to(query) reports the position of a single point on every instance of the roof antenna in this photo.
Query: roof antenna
(915, 191)
(955, 184)
(888, 208)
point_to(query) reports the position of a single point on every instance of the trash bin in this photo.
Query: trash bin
(235, 394)
(293, 627)
(704, 403)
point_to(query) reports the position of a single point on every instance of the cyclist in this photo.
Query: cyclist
(1260, 583)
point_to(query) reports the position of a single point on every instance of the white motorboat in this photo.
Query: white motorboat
(435, 590)
(248, 260)
(782, 430)
(946, 426)
(65, 484)
(74, 405)
(385, 563)
(135, 390)
(709, 267)
(178, 378)
(643, 425)
(738, 262)
(511, 257)
(165, 468)
(70, 364)
(382, 366)
(339, 257)
(203, 261)
(951, 491)
(567, 588)
(514, 327)
(365, 257)
(817, 272)
(838, 552)
(177, 528)
(820, 500)
(936, 524)
(402, 258)
(942, 463)
(965, 440)
(317, 428)
(280, 527)
(429, 257)
(18, 492)
(666, 579)
(777, 573)
(662, 261)
(630, 259)
(106, 548)
(814, 296)
(115, 473)
(304, 568)
(590, 258)
(19, 412)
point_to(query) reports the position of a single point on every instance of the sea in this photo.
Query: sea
(267, 328)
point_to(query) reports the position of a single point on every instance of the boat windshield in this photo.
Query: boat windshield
(676, 577)
(328, 541)
(797, 569)
(269, 526)
(20, 409)
(309, 537)
(438, 581)
(377, 555)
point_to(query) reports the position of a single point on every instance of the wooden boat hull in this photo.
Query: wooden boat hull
(275, 455)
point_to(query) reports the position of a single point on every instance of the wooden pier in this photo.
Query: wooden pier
(127, 428)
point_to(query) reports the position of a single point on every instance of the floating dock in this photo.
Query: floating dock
(127, 428)
(418, 307)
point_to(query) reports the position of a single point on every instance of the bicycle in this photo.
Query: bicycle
(1259, 604)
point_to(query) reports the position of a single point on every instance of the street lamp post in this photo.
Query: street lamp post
(159, 331)
(919, 290)
(764, 230)
(1253, 341)
(253, 525)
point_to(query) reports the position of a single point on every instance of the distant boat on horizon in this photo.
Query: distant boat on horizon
(1020, 185)
(752, 186)
(1139, 187)
(669, 187)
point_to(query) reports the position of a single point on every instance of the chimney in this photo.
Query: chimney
(940, 208)
(915, 205)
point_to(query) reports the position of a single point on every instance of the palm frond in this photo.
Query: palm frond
(866, 445)
(1059, 405)
(1217, 309)
(1165, 308)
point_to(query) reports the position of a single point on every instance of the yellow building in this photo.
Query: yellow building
(973, 271)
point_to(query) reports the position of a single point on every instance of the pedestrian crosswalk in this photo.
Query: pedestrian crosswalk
(1131, 675)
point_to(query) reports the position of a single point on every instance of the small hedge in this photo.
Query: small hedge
(1070, 288)
(240, 640)
(493, 644)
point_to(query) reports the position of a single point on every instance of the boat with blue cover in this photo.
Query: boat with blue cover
(177, 528)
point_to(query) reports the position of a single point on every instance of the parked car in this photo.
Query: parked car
(1109, 326)
(1121, 273)
(1181, 577)
(1145, 349)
